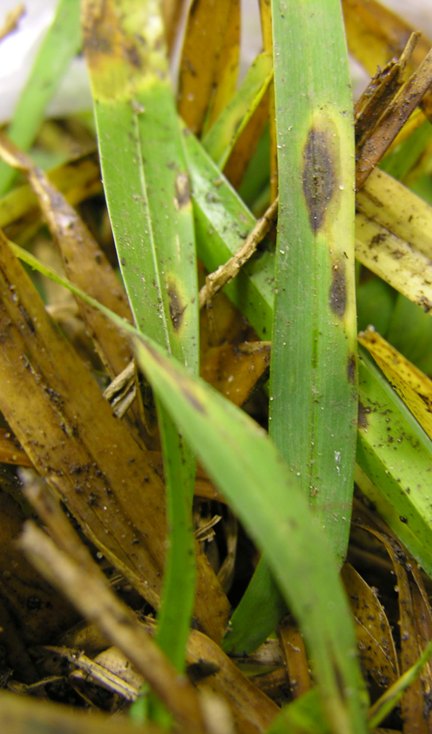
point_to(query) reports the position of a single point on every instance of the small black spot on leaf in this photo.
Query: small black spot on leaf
(337, 294)
(200, 670)
(319, 176)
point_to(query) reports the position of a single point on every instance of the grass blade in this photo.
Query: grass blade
(241, 460)
(151, 214)
(59, 46)
(224, 133)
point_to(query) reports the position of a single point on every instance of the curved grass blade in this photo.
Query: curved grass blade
(147, 190)
(224, 133)
(59, 46)
(313, 395)
(242, 460)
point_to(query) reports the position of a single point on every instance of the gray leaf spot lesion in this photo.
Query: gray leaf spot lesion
(319, 175)
(338, 292)
(182, 190)
(176, 306)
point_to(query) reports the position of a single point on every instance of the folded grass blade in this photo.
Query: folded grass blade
(59, 46)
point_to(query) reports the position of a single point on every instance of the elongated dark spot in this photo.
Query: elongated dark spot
(183, 193)
(352, 369)
(319, 176)
(363, 416)
(337, 294)
(192, 399)
(176, 307)
(200, 670)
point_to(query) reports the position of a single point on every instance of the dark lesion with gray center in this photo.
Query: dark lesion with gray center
(338, 292)
(176, 307)
(319, 176)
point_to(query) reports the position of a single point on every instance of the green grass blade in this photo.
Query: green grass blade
(147, 191)
(223, 134)
(222, 224)
(242, 461)
(257, 614)
(313, 368)
(59, 46)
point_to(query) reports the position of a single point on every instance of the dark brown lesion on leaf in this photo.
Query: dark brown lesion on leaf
(319, 175)
(338, 293)
(352, 369)
(176, 306)
(182, 190)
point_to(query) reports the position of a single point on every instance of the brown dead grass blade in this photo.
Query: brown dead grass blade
(209, 61)
(374, 635)
(88, 590)
(56, 410)
(82, 258)
(394, 115)
(415, 629)
(21, 714)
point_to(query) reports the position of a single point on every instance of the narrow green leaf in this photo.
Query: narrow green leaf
(247, 468)
(224, 133)
(61, 43)
(390, 699)
(147, 190)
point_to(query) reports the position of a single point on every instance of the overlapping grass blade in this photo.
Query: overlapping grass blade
(147, 190)
(221, 216)
(248, 469)
(313, 398)
(59, 46)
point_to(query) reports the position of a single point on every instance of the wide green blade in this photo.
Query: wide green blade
(313, 396)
